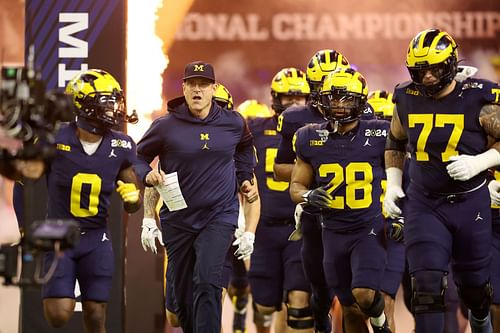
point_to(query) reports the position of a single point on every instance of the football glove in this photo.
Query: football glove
(394, 191)
(397, 230)
(318, 197)
(245, 245)
(149, 234)
(464, 167)
(128, 192)
(494, 188)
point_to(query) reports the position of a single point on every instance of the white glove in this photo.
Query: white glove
(464, 167)
(494, 187)
(245, 245)
(394, 191)
(239, 232)
(149, 234)
(297, 233)
(465, 72)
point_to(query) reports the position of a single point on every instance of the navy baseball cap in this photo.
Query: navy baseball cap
(199, 69)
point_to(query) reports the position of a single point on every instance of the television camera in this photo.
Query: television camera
(30, 116)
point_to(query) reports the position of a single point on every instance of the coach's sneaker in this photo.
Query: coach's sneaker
(480, 325)
(240, 313)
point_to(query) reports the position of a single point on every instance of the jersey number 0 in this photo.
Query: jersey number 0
(92, 180)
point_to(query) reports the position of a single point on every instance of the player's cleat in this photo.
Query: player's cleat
(381, 329)
(325, 326)
(240, 313)
(480, 325)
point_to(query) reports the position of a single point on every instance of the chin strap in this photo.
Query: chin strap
(88, 126)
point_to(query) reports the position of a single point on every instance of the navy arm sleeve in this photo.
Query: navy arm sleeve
(287, 129)
(148, 148)
(244, 157)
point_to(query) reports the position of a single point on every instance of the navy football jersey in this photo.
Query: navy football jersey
(352, 165)
(289, 122)
(207, 154)
(274, 196)
(438, 129)
(80, 185)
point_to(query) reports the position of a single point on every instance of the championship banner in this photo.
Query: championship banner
(65, 37)
(249, 41)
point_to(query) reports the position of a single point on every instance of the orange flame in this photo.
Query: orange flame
(146, 62)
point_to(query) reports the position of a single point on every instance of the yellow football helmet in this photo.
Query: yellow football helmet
(436, 51)
(382, 104)
(288, 81)
(495, 62)
(251, 108)
(98, 99)
(223, 97)
(322, 63)
(343, 95)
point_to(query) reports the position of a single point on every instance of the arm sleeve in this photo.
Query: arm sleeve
(244, 157)
(298, 137)
(285, 154)
(148, 148)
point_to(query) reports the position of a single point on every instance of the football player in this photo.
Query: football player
(251, 109)
(320, 64)
(339, 170)
(450, 129)
(494, 187)
(92, 161)
(239, 288)
(276, 274)
(381, 102)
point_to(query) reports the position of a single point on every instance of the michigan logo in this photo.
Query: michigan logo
(204, 137)
(199, 68)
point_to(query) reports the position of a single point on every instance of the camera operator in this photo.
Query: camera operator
(29, 119)
(15, 168)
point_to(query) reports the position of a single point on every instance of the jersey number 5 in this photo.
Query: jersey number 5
(272, 184)
(353, 185)
(94, 182)
(439, 121)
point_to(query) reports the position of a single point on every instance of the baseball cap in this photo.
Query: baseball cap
(199, 69)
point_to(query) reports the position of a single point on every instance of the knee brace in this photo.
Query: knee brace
(477, 299)
(300, 320)
(428, 290)
(261, 320)
(376, 308)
